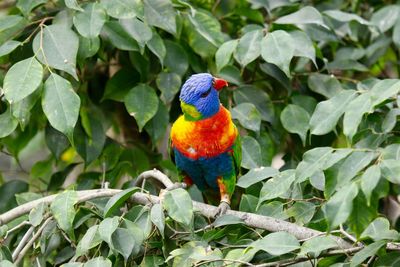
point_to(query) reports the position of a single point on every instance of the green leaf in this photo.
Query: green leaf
(277, 186)
(352, 165)
(156, 45)
(345, 17)
(169, 84)
(316, 245)
(22, 79)
(340, 205)
(63, 209)
(8, 47)
(390, 120)
(10, 26)
(354, 112)
(257, 97)
(276, 244)
(55, 141)
(57, 47)
(302, 212)
(26, 6)
(6, 263)
(21, 110)
(7, 123)
(60, 103)
(224, 53)
(122, 9)
(327, 113)
(396, 34)
(251, 153)
(248, 116)
(326, 85)
(90, 22)
(179, 206)
(73, 4)
(295, 119)
(249, 47)
(227, 219)
(161, 14)
(277, 48)
(107, 227)
(304, 46)
(137, 30)
(204, 33)
(123, 242)
(98, 262)
(157, 126)
(88, 47)
(383, 90)
(176, 59)
(306, 15)
(158, 218)
(369, 180)
(117, 35)
(142, 104)
(390, 169)
(379, 229)
(90, 240)
(256, 175)
(385, 17)
(116, 201)
(314, 161)
(9, 192)
(366, 252)
(36, 214)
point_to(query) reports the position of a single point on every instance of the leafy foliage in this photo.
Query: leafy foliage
(89, 90)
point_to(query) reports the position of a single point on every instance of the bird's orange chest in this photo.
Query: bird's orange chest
(204, 138)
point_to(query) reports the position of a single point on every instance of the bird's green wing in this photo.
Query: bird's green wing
(237, 154)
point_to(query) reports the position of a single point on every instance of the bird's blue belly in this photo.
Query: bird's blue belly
(205, 171)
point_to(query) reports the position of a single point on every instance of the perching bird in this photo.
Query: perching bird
(205, 142)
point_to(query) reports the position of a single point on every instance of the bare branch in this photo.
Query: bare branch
(30, 243)
(23, 242)
(156, 175)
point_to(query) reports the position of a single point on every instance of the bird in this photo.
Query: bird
(205, 142)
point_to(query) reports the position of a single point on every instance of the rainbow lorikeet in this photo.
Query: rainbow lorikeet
(205, 142)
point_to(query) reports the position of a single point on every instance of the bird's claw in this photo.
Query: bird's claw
(223, 207)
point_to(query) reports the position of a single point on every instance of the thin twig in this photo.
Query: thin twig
(23, 242)
(33, 239)
(22, 224)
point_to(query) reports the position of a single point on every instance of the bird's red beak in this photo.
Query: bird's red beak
(219, 83)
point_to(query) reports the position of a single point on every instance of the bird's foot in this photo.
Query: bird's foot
(223, 207)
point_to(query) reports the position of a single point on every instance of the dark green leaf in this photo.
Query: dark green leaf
(158, 218)
(119, 37)
(354, 112)
(142, 104)
(8, 191)
(157, 126)
(366, 252)
(176, 59)
(380, 229)
(73, 4)
(169, 84)
(116, 201)
(98, 262)
(277, 186)
(7, 123)
(325, 85)
(26, 6)
(123, 242)
(306, 15)
(390, 169)
(385, 17)
(369, 180)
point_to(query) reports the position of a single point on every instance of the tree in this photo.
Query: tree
(89, 90)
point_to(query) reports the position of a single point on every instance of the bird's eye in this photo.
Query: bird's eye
(205, 94)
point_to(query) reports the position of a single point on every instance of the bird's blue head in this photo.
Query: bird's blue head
(199, 96)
